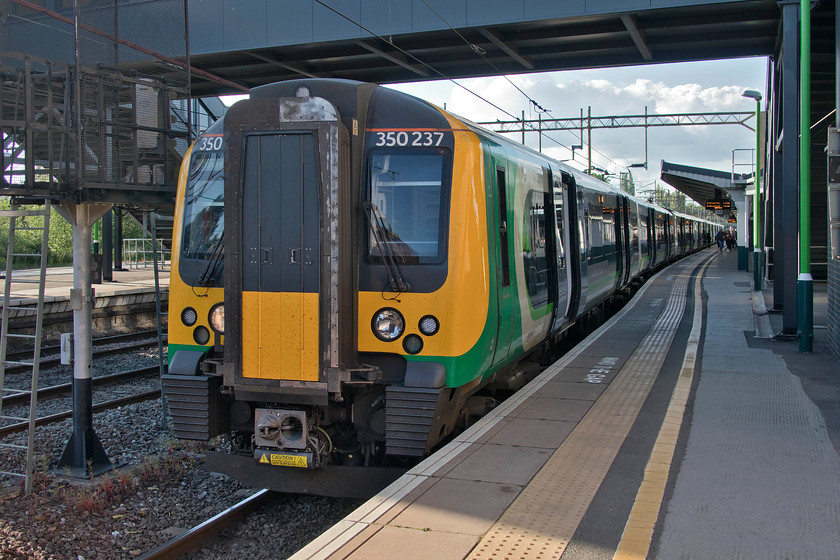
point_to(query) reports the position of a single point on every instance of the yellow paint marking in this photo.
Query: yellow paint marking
(635, 541)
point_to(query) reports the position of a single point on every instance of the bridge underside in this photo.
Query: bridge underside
(706, 32)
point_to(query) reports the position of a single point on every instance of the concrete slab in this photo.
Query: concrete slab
(414, 544)
(443, 507)
(501, 464)
(531, 432)
(568, 410)
(569, 390)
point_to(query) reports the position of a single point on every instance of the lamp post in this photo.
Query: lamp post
(752, 94)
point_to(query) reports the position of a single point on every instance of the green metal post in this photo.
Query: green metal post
(96, 238)
(805, 282)
(757, 200)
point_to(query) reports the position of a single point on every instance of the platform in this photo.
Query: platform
(673, 431)
(117, 302)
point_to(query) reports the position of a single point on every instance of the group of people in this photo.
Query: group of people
(725, 239)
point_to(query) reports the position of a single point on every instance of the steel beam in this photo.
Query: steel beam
(512, 52)
(626, 121)
(789, 203)
(296, 68)
(396, 57)
(638, 36)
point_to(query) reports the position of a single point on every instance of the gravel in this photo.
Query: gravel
(158, 489)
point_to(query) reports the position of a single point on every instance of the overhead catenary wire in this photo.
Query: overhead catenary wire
(532, 102)
(482, 53)
(406, 53)
(442, 74)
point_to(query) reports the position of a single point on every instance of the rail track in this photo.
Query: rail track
(106, 405)
(210, 529)
(50, 354)
(64, 389)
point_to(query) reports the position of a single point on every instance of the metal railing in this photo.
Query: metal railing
(140, 253)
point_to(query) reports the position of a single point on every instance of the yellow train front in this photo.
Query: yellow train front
(353, 324)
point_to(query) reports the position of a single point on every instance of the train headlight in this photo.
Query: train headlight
(388, 324)
(201, 335)
(189, 316)
(413, 344)
(429, 325)
(217, 318)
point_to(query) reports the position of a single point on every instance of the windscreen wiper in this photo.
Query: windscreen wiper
(206, 276)
(383, 235)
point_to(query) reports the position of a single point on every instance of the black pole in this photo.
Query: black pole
(788, 227)
(108, 246)
(84, 456)
(118, 238)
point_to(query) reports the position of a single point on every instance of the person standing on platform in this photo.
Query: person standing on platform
(730, 240)
(719, 239)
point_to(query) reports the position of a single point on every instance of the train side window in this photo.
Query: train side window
(503, 229)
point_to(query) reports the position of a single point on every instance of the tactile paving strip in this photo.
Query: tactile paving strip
(542, 520)
(636, 538)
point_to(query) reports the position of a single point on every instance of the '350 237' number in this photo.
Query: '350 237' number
(408, 138)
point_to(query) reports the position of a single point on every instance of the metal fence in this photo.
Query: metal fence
(139, 253)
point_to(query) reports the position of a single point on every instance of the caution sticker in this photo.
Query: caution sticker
(286, 459)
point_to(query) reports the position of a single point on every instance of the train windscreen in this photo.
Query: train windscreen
(406, 193)
(204, 223)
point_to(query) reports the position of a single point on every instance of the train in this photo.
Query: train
(356, 273)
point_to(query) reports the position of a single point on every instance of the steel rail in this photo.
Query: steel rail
(53, 418)
(101, 381)
(55, 359)
(208, 530)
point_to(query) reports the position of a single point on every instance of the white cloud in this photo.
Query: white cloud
(668, 88)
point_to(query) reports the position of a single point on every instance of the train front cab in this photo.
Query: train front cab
(351, 325)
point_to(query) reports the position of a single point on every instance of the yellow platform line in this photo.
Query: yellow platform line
(636, 539)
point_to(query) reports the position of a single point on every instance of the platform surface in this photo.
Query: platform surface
(672, 432)
(59, 282)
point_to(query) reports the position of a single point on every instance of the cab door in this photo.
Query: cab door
(280, 249)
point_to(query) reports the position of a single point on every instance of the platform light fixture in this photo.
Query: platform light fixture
(753, 94)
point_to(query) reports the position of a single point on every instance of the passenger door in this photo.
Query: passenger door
(506, 298)
(560, 252)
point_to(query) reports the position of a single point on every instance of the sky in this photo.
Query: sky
(691, 87)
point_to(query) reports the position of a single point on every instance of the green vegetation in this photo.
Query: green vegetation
(60, 240)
